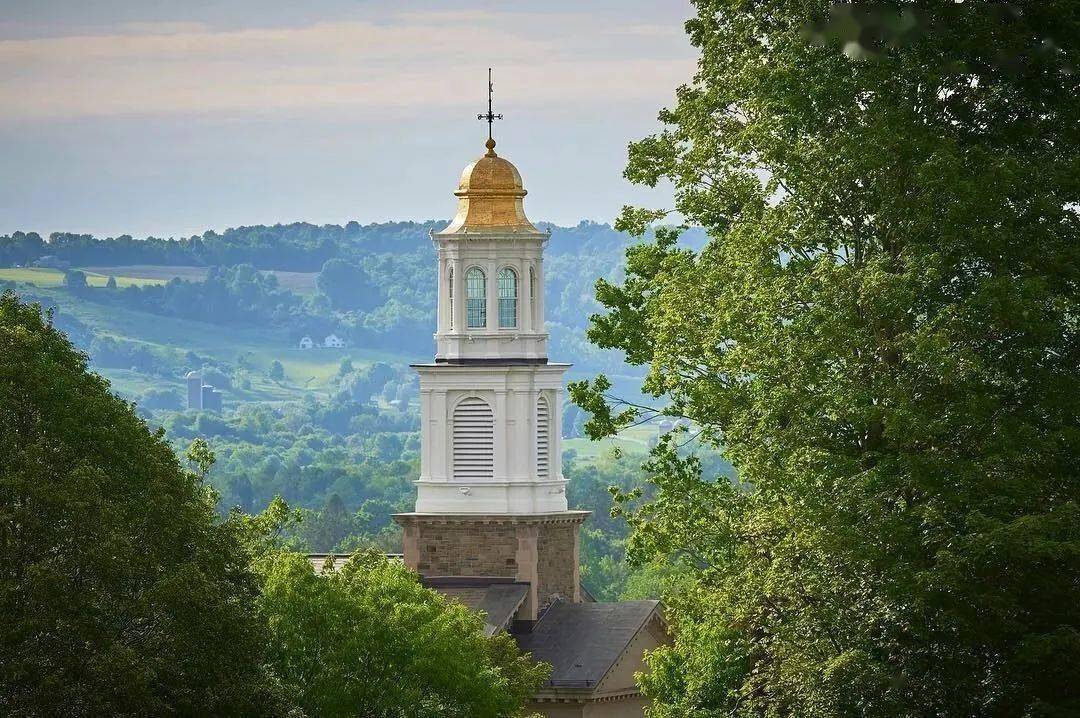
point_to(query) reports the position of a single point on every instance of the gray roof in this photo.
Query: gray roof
(582, 641)
(497, 601)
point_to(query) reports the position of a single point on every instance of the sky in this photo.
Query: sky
(165, 118)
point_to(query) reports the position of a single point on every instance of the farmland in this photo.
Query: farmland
(252, 349)
(302, 283)
(42, 277)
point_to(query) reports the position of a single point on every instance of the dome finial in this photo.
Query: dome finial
(490, 144)
(490, 116)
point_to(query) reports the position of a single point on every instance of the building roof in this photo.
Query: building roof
(498, 599)
(582, 641)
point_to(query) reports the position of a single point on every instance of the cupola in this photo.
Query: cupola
(490, 198)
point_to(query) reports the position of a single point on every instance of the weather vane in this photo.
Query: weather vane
(490, 116)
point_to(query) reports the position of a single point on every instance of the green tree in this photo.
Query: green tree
(348, 286)
(369, 635)
(121, 592)
(111, 283)
(324, 530)
(277, 371)
(362, 385)
(75, 281)
(882, 331)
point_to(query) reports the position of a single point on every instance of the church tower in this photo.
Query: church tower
(491, 498)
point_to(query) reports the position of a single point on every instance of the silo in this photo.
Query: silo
(194, 390)
(207, 399)
(213, 402)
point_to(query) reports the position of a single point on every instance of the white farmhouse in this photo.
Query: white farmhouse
(333, 340)
(306, 343)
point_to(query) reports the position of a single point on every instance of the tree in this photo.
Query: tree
(111, 283)
(277, 371)
(345, 367)
(75, 281)
(882, 333)
(323, 530)
(370, 635)
(161, 399)
(121, 592)
(348, 286)
(361, 385)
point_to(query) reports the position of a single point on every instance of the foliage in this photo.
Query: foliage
(75, 281)
(228, 295)
(370, 635)
(363, 384)
(121, 592)
(882, 332)
(348, 286)
(161, 399)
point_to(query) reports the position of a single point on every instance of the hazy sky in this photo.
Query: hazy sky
(167, 118)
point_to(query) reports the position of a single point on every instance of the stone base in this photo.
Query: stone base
(541, 549)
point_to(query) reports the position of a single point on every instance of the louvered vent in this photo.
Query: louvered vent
(543, 423)
(474, 440)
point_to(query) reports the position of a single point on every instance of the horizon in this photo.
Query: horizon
(166, 121)
(343, 224)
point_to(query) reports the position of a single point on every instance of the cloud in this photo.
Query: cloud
(413, 61)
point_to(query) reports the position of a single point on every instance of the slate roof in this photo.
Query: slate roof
(497, 600)
(582, 641)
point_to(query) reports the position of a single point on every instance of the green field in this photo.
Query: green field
(253, 348)
(41, 277)
(302, 283)
(633, 442)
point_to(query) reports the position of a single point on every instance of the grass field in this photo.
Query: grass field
(42, 277)
(153, 271)
(254, 348)
(634, 442)
(302, 283)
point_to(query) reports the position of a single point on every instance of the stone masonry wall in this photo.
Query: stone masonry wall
(557, 566)
(473, 549)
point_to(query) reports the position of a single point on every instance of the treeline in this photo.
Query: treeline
(297, 247)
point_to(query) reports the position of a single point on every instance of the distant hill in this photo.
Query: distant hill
(149, 310)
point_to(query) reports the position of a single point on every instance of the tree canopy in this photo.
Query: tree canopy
(369, 638)
(882, 332)
(121, 592)
(124, 593)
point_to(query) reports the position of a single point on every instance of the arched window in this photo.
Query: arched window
(450, 286)
(507, 298)
(474, 440)
(476, 298)
(532, 297)
(543, 431)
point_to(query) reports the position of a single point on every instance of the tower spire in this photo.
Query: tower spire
(490, 116)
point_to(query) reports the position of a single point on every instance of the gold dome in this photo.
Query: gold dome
(490, 197)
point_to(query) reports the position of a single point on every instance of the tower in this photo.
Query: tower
(491, 498)
(194, 390)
